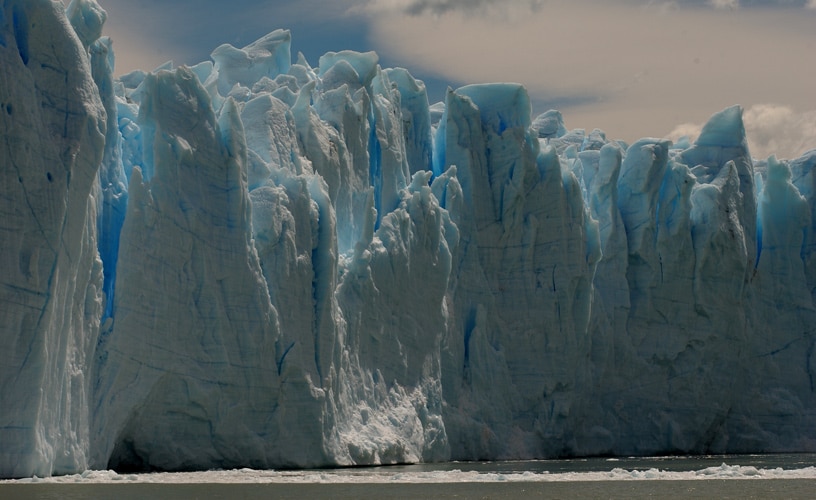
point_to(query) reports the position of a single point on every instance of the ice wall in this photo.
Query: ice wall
(253, 262)
(52, 125)
(521, 286)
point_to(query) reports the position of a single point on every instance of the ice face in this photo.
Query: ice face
(53, 128)
(256, 263)
(802, 171)
(112, 204)
(267, 57)
(192, 219)
(416, 119)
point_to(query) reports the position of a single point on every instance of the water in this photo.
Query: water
(723, 476)
(684, 463)
(720, 488)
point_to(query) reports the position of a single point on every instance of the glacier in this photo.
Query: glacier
(254, 262)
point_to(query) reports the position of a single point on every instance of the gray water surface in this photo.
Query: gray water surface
(412, 481)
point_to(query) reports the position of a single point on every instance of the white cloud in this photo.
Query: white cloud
(419, 7)
(632, 68)
(724, 4)
(771, 129)
(779, 130)
(489, 9)
(689, 130)
(132, 49)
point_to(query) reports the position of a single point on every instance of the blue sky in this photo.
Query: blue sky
(633, 68)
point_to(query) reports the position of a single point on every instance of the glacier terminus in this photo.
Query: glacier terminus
(256, 262)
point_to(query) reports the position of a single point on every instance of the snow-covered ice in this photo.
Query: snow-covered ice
(254, 262)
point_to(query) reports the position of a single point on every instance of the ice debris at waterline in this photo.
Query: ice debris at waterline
(254, 262)
(375, 475)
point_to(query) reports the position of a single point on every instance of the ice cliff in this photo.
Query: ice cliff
(253, 262)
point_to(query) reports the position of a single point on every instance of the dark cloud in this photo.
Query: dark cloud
(479, 7)
(773, 3)
(437, 7)
(186, 31)
(747, 3)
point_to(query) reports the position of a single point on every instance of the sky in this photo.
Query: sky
(633, 68)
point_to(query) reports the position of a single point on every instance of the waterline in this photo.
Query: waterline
(743, 476)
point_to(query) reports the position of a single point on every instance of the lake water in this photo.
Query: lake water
(732, 476)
